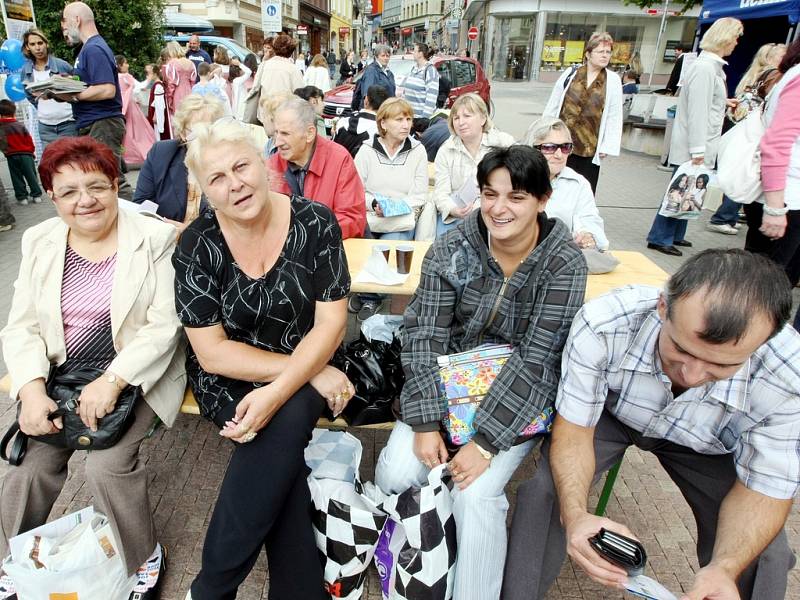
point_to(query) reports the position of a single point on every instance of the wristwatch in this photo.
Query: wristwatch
(484, 453)
(775, 212)
(113, 379)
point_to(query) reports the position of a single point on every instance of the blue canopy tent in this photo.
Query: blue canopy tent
(749, 9)
(765, 21)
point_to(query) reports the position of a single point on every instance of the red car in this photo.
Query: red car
(465, 75)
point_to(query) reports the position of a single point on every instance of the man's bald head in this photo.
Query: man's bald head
(77, 23)
(80, 10)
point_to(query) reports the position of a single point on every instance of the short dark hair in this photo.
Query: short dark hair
(308, 92)
(283, 45)
(7, 108)
(203, 69)
(377, 95)
(737, 285)
(526, 166)
(426, 51)
(120, 60)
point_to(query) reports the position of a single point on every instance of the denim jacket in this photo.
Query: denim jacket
(56, 66)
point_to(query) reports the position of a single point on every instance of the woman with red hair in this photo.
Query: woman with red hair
(94, 291)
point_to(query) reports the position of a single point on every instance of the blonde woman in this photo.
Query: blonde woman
(768, 57)
(178, 74)
(317, 73)
(698, 125)
(260, 288)
(267, 106)
(164, 178)
(472, 135)
(589, 100)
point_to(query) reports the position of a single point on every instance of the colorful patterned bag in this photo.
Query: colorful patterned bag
(465, 379)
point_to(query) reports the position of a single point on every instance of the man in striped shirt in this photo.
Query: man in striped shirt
(421, 87)
(705, 375)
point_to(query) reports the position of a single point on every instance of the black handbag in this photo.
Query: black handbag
(65, 389)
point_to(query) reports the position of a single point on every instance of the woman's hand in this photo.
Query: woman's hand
(429, 448)
(335, 387)
(773, 227)
(467, 465)
(97, 400)
(35, 407)
(254, 411)
(585, 240)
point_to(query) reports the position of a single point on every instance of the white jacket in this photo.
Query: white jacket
(455, 165)
(609, 137)
(319, 77)
(403, 176)
(573, 202)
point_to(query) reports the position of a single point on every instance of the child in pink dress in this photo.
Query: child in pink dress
(139, 135)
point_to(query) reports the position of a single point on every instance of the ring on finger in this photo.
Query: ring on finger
(249, 436)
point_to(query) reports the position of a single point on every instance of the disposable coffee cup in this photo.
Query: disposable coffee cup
(405, 254)
(385, 249)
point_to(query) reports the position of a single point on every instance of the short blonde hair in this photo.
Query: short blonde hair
(390, 109)
(721, 34)
(175, 50)
(541, 128)
(472, 102)
(269, 103)
(209, 135)
(193, 105)
(598, 38)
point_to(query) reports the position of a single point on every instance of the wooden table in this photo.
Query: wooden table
(358, 252)
(634, 268)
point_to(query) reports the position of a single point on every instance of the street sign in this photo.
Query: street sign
(472, 33)
(451, 23)
(271, 16)
(302, 30)
(457, 13)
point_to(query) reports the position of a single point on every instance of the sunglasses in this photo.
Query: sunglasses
(565, 148)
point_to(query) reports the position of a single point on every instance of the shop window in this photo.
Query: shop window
(463, 73)
(511, 49)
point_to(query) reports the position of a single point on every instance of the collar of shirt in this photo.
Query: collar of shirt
(713, 57)
(642, 357)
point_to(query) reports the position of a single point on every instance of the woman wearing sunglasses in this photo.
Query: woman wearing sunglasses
(572, 200)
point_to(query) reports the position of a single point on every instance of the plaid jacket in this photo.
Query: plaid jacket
(459, 290)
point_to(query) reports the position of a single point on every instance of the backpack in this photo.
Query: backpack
(349, 136)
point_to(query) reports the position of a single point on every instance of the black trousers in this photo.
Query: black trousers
(585, 166)
(264, 501)
(537, 543)
(784, 251)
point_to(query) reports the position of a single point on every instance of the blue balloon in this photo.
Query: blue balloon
(11, 54)
(15, 90)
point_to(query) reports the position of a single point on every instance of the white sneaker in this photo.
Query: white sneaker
(722, 228)
(23, 202)
(37, 199)
(6, 227)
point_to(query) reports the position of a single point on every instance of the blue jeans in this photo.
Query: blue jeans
(665, 231)
(50, 133)
(479, 511)
(727, 213)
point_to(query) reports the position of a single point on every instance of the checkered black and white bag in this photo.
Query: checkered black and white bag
(346, 521)
(417, 550)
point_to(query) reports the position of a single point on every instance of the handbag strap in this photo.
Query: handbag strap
(18, 446)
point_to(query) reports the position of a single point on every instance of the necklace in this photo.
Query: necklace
(524, 256)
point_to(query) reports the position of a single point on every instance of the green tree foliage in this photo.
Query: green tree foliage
(681, 5)
(131, 27)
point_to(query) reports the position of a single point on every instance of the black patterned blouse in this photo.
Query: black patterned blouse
(273, 312)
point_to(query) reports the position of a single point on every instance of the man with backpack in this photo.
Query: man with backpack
(360, 126)
(376, 73)
(421, 87)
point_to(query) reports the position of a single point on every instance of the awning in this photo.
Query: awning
(185, 23)
(749, 9)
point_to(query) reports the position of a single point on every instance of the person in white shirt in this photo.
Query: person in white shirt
(300, 61)
(238, 74)
(317, 74)
(572, 200)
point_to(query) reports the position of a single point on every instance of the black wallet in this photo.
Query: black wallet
(620, 550)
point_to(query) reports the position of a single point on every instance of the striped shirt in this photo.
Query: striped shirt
(611, 361)
(86, 311)
(421, 89)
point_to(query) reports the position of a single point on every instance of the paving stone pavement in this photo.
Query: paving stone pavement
(187, 462)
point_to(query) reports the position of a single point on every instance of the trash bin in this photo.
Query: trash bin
(668, 134)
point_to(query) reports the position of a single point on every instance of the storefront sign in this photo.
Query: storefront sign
(451, 23)
(622, 53)
(343, 31)
(18, 17)
(669, 50)
(271, 16)
(551, 51)
(573, 53)
(406, 31)
(302, 30)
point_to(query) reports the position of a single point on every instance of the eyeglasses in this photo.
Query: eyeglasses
(94, 191)
(565, 148)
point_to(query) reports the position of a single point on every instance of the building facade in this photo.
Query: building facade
(341, 30)
(537, 40)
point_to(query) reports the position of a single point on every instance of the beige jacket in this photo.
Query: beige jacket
(454, 165)
(277, 75)
(147, 334)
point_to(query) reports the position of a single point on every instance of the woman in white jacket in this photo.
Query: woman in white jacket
(589, 100)
(473, 135)
(572, 200)
(317, 74)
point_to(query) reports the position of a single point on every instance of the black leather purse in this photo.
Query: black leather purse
(65, 389)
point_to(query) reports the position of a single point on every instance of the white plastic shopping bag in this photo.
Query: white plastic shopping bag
(686, 192)
(75, 557)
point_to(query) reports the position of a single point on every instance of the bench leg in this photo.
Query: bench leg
(608, 487)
